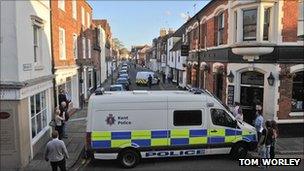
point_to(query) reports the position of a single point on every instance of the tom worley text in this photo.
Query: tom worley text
(270, 162)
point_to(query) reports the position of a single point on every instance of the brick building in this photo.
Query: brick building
(250, 52)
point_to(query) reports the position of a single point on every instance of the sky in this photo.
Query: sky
(138, 22)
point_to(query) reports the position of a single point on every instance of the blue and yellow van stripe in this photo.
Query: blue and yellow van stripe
(174, 137)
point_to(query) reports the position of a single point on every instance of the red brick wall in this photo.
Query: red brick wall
(211, 34)
(285, 91)
(65, 20)
(290, 20)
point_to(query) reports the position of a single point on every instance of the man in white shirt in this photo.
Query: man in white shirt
(56, 152)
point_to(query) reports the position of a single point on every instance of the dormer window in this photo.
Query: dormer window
(249, 25)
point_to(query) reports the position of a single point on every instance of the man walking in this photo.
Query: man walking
(150, 81)
(56, 152)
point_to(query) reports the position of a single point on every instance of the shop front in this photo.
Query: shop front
(67, 79)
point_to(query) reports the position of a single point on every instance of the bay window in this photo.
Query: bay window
(297, 103)
(266, 24)
(249, 24)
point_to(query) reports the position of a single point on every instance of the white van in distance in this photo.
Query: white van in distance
(129, 126)
(142, 78)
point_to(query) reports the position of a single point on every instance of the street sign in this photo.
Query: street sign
(185, 50)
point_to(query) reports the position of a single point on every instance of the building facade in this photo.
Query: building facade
(250, 52)
(65, 18)
(26, 81)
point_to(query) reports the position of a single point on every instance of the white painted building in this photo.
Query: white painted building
(102, 42)
(26, 81)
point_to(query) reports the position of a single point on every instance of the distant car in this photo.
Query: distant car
(122, 72)
(125, 76)
(124, 82)
(142, 78)
(117, 87)
(124, 68)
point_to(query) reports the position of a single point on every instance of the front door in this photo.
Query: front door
(252, 93)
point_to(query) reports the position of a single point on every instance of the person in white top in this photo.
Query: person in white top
(59, 123)
(236, 109)
(240, 115)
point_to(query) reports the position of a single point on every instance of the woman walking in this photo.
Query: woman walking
(59, 123)
(275, 130)
(269, 138)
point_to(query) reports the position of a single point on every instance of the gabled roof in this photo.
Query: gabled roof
(177, 45)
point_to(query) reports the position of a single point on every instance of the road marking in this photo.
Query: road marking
(78, 119)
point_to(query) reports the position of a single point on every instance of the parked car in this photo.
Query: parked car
(142, 78)
(124, 82)
(122, 72)
(125, 76)
(117, 87)
(124, 68)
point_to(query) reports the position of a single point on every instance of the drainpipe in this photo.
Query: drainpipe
(198, 74)
(52, 58)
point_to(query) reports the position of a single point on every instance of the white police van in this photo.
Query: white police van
(132, 125)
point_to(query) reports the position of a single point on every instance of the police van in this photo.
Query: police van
(129, 126)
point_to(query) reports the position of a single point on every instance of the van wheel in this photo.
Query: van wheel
(129, 158)
(239, 151)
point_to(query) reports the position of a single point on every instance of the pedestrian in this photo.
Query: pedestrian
(169, 78)
(56, 152)
(275, 130)
(269, 138)
(59, 123)
(236, 108)
(64, 112)
(62, 96)
(239, 116)
(262, 142)
(164, 77)
(259, 120)
(149, 81)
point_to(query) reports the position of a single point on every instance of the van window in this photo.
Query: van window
(187, 117)
(221, 118)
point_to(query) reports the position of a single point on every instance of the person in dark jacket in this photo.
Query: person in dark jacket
(64, 112)
(62, 97)
(150, 81)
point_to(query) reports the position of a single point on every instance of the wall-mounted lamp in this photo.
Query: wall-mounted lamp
(230, 77)
(270, 79)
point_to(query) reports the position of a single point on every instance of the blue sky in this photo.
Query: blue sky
(138, 22)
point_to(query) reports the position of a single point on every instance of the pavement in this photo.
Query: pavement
(76, 126)
(75, 130)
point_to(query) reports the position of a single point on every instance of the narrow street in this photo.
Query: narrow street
(132, 73)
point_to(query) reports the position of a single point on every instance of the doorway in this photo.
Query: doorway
(252, 93)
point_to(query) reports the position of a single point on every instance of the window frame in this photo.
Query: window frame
(88, 19)
(220, 28)
(89, 48)
(75, 46)
(43, 113)
(256, 22)
(83, 42)
(61, 5)
(74, 9)
(292, 91)
(187, 124)
(82, 16)
(62, 44)
(266, 37)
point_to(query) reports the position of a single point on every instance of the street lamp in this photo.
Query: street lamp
(230, 77)
(270, 79)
